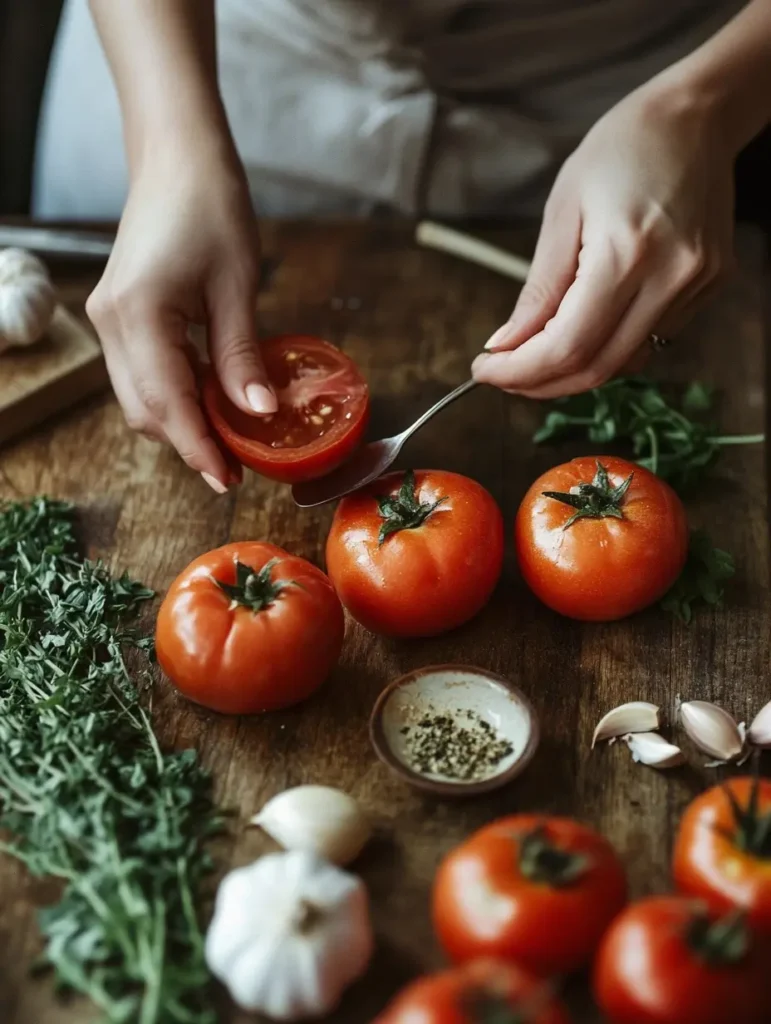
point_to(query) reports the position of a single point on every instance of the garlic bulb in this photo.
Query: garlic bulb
(27, 299)
(636, 716)
(290, 932)
(713, 730)
(323, 820)
(651, 749)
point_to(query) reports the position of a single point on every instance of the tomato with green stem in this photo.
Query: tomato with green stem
(323, 409)
(722, 851)
(537, 891)
(599, 539)
(416, 553)
(481, 992)
(665, 960)
(247, 628)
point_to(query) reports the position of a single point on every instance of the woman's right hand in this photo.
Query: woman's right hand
(187, 252)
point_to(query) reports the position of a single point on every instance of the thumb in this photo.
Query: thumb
(552, 271)
(235, 351)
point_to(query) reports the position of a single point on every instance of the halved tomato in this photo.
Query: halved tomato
(323, 408)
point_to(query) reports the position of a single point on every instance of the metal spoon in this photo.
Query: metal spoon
(369, 462)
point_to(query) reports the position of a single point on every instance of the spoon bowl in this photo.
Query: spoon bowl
(369, 462)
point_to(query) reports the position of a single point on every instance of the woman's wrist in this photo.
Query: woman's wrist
(728, 79)
(189, 130)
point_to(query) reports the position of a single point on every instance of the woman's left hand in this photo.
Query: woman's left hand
(637, 230)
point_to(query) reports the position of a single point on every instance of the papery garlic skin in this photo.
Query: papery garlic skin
(323, 820)
(289, 934)
(27, 299)
(635, 716)
(759, 732)
(712, 729)
(651, 749)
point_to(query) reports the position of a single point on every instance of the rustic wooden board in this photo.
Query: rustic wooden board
(60, 371)
(413, 320)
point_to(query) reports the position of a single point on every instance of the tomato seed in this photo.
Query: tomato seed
(326, 410)
(290, 357)
(317, 421)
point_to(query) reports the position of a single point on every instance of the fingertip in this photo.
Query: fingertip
(261, 399)
(216, 485)
(479, 366)
(499, 339)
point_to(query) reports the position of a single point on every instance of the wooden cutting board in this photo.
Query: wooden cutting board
(50, 377)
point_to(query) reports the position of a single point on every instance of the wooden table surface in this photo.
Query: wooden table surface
(413, 320)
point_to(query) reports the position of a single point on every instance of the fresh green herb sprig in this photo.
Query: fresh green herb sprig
(675, 441)
(702, 579)
(87, 796)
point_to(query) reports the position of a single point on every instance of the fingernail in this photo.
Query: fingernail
(261, 399)
(214, 483)
(500, 337)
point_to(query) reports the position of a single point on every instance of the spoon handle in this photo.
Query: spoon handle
(441, 404)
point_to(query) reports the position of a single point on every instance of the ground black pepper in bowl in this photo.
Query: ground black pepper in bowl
(464, 747)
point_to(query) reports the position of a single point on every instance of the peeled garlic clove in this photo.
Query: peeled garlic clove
(636, 716)
(712, 730)
(759, 732)
(320, 819)
(651, 749)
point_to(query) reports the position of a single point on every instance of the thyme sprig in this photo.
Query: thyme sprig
(87, 795)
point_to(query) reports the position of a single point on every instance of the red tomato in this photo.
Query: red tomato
(248, 627)
(538, 891)
(416, 554)
(322, 412)
(663, 961)
(617, 547)
(484, 990)
(723, 849)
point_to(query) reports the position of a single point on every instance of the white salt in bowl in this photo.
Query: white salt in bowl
(454, 691)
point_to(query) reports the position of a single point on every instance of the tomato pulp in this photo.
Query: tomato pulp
(323, 409)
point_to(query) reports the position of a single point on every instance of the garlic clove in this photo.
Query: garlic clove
(636, 716)
(713, 730)
(320, 819)
(759, 732)
(652, 749)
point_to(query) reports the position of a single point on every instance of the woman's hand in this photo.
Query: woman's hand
(187, 252)
(187, 249)
(637, 230)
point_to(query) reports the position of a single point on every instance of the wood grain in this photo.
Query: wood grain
(57, 373)
(413, 320)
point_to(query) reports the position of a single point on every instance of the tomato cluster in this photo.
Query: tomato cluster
(249, 627)
(527, 900)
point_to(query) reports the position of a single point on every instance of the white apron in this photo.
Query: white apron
(446, 107)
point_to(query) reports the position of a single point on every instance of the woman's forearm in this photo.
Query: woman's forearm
(163, 59)
(731, 74)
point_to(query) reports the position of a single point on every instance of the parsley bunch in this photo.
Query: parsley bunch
(675, 440)
(87, 795)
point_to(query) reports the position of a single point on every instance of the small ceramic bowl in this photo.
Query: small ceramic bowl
(465, 695)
